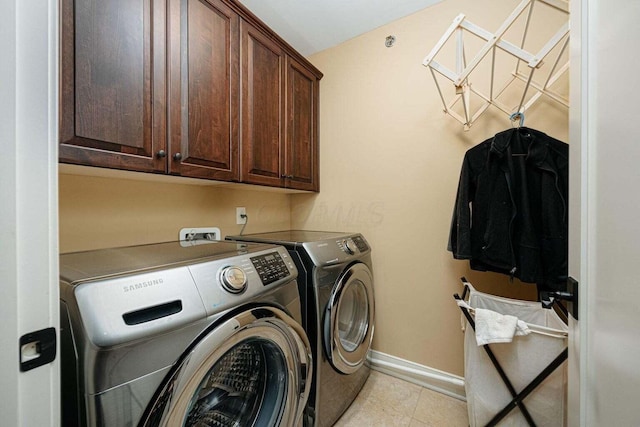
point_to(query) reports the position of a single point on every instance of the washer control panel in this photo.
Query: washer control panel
(162, 287)
(228, 282)
(270, 267)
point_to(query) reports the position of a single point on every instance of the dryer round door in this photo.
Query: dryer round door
(348, 319)
(252, 370)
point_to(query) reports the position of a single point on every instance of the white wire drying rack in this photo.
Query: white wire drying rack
(492, 41)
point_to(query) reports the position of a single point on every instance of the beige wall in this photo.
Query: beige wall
(99, 212)
(390, 163)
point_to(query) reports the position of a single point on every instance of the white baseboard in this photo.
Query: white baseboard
(434, 379)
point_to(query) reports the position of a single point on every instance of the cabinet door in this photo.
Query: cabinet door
(112, 103)
(301, 153)
(262, 105)
(204, 89)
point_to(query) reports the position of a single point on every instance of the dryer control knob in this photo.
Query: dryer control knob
(348, 246)
(233, 279)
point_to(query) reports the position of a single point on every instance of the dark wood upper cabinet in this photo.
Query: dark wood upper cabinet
(204, 89)
(112, 111)
(263, 67)
(196, 88)
(279, 115)
(301, 152)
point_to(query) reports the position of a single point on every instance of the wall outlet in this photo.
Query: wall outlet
(241, 215)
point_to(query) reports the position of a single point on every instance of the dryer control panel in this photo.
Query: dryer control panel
(337, 250)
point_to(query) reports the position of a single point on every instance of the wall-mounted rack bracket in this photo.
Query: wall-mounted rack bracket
(493, 41)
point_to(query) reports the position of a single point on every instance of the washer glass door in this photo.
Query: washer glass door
(249, 371)
(248, 383)
(348, 320)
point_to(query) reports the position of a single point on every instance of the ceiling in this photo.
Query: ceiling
(311, 25)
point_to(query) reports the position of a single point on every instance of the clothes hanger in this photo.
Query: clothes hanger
(518, 117)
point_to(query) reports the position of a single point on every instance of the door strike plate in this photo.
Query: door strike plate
(37, 348)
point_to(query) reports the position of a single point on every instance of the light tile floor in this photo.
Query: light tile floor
(386, 401)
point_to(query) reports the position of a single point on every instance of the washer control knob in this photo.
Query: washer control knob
(348, 246)
(233, 279)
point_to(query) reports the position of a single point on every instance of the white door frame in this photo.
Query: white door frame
(28, 205)
(604, 369)
(578, 185)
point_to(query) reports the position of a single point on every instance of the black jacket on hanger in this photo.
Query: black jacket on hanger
(511, 212)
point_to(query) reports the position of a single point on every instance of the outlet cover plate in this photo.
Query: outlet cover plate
(239, 213)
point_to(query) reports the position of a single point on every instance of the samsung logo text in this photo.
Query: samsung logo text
(142, 285)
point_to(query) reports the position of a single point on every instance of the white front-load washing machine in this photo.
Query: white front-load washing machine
(336, 288)
(175, 334)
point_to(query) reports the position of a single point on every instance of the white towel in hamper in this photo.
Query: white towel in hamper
(493, 327)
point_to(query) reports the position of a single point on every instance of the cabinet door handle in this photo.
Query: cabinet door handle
(161, 154)
(177, 157)
(287, 176)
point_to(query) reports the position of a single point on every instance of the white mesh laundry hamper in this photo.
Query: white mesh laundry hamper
(525, 359)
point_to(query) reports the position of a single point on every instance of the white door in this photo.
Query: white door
(28, 208)
(604, 362)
